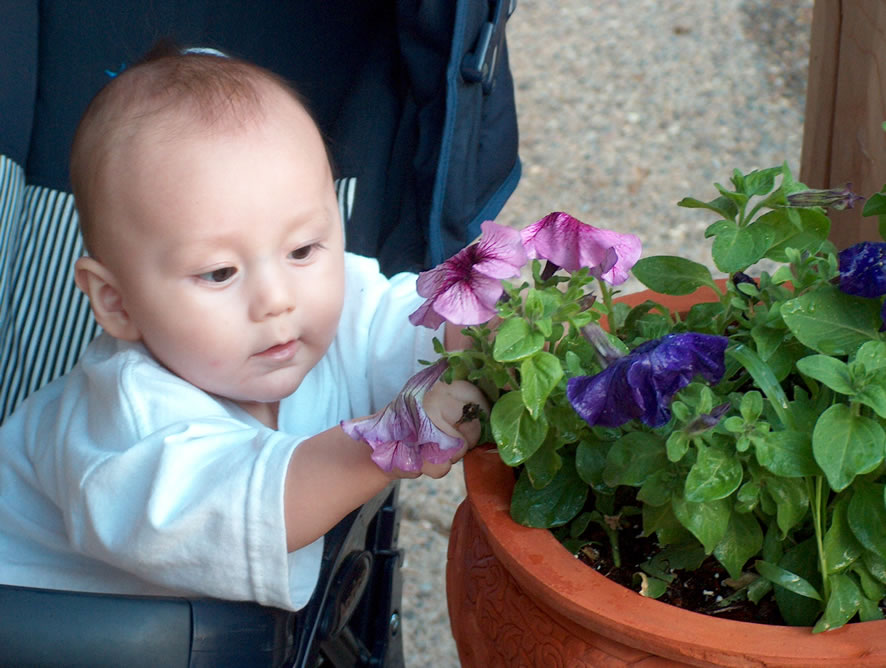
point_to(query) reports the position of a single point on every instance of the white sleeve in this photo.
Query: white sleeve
(376, 341)
(189, 505)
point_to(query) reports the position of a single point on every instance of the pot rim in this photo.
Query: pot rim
(543, 567)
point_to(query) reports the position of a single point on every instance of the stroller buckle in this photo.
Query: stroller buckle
(478, 65)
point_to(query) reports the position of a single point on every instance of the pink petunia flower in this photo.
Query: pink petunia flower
(465, 288)
(402, 436)
(572, 244)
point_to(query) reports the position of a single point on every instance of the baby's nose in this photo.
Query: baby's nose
(272, 296)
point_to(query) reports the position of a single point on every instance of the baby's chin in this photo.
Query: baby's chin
(270, 397)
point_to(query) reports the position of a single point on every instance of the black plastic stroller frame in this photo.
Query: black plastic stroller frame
(416, 101)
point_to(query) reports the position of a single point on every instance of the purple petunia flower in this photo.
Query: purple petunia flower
(642, 384)
(465, 288)
(402, 436)
(572, 244)
(863, 269)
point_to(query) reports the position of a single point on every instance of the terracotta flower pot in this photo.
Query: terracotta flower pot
(518, 598)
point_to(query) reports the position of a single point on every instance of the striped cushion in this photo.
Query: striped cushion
(45, 321)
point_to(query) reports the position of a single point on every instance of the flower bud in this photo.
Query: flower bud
(835, 198)
(599, 339)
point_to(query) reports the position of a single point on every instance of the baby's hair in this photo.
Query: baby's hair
(173, 93)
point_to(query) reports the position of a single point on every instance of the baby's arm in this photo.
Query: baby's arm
(330, 474)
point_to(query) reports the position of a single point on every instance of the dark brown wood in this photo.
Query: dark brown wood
(843, 138)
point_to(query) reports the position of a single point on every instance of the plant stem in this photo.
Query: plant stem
(606, 297)
(612, 534)
(814, 486)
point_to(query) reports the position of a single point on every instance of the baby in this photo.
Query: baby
(195, 449)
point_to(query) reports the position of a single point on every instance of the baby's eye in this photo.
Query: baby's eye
(302, 253)
(218, 275)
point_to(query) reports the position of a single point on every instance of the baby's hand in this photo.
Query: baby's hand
(428, 425)
(454, 409)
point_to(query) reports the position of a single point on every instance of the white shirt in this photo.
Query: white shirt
(123, 478)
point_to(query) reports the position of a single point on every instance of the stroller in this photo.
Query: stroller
(416, 101)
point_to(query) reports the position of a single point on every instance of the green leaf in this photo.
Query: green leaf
(871, 587)
(590, 461)
(751, 406)
(555, 505)
(875, 205)
(869, 610)
(767, 339)
(873, 395)
(786, 453)
(743, 540)
(846, 445)
(802, 560)
(580, 523)
(658, 488)
(677, 445)
(707, 521)
(539, 374)
(702, 317)
(832, 322)
(875, 564)
(765, 380)
(661, 521)
(870, 381)
(722, 205)
(748, 497)
(671, 275)
(514, 340)
(543, 465)
(791, 502)
(736, 248)
(633, 458)
(866, 516)
(841, 548)
(832, 372)
(649, 586)
(784, 578)
(738, 197)
(843, 603)
(808, 236)
(872, 355)
(715, 475)
(517, 434)
(537, 305)
(761, 181)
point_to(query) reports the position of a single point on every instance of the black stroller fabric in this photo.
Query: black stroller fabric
(433, 152)
(422, 155)
(416, 102)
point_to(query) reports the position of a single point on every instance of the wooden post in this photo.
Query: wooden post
(843, 136)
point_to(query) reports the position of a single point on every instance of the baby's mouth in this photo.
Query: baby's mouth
(280, 351)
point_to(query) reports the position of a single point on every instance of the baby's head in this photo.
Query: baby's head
(209, 214)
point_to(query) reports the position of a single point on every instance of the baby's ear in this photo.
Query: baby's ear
(105, 298)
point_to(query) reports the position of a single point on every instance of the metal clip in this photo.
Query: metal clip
(478, 66)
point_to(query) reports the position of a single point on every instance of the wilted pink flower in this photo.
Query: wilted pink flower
(465, 288)
(572, 244)
(402, 436)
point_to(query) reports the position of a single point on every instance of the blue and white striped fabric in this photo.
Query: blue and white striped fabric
(45, 321)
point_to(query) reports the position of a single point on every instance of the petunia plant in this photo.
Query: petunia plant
(749, 428)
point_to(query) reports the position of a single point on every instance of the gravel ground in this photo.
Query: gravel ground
(625, 107)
